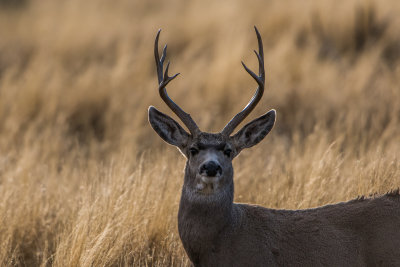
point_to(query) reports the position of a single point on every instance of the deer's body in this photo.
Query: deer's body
(362, 232)
(216, 232)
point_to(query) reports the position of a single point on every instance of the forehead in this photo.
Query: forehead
(210, 139)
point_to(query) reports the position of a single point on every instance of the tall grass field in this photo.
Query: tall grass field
(85, 181)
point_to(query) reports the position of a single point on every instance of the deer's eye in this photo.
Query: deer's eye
(228, 152)
(193, 151)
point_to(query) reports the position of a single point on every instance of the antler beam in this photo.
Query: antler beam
(163, 80)
(260, 79)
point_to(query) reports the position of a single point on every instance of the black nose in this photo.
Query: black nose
(210, 168)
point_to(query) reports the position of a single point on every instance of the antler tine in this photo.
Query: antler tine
(260, 79)
(163, 80)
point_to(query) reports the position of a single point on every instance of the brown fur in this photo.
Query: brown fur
(217, 232)
(361, 232)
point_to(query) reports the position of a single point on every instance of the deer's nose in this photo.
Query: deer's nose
(210, 168)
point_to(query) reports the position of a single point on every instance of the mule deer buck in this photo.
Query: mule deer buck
(217, 232)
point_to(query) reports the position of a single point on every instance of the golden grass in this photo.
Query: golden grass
(84, 181)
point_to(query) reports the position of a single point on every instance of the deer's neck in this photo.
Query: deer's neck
(202, 222)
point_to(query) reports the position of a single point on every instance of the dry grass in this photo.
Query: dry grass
(84, 181)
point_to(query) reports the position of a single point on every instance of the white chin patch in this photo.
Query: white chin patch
(200, 186)
(207, 185)
(208, 180)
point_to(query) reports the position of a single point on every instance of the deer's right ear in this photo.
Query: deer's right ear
(167, 128)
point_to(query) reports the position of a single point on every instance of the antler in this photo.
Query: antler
(163, 80)
(260, 79)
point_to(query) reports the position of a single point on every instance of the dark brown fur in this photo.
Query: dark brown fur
(361, 232)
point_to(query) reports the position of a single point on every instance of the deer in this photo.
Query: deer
(215, 231)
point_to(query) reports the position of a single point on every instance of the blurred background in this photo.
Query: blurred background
(84, 180)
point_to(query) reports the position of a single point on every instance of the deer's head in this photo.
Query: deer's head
(209, 156)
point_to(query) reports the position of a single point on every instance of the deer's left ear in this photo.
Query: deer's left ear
(255, 131)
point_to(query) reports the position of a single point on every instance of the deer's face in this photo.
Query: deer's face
(209, 163)
(209, 156)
